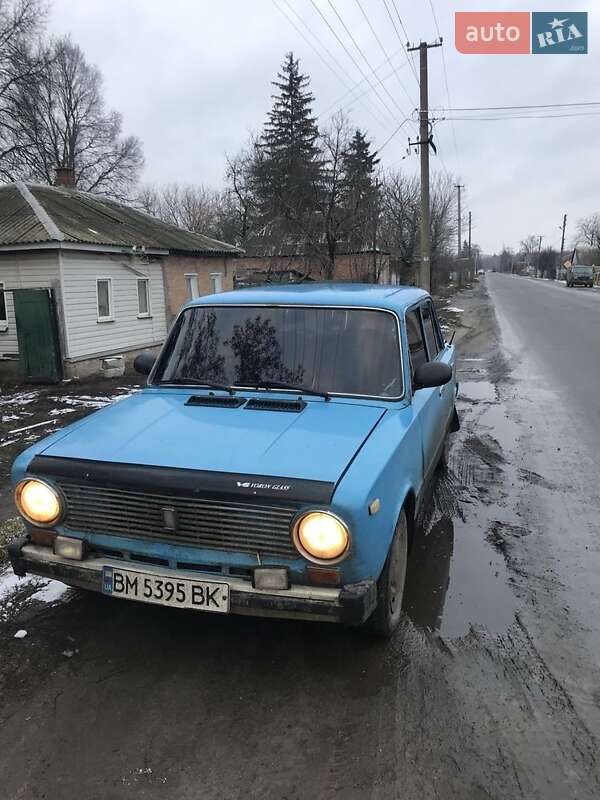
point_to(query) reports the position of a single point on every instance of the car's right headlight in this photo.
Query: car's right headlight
(321, 537)
(38, 502)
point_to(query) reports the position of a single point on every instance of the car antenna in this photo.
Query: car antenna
(452, 337)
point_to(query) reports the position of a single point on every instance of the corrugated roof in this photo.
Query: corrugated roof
(18, 223)
(88, 219)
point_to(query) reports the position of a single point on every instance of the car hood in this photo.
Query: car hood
(157, 428)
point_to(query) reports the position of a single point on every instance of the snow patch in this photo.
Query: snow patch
(51, 592)
(20, 634)
(454, 309)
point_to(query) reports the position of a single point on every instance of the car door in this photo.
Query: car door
(425, 402)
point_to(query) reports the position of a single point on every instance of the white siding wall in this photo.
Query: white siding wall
(24, 270)
(86, 336)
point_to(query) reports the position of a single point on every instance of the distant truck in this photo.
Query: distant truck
(580, 276)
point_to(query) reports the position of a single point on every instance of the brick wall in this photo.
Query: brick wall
(175, 269)
(348, 267)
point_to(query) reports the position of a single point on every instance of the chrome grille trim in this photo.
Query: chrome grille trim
(213, 524)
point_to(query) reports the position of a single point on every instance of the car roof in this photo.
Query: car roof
(360, 295)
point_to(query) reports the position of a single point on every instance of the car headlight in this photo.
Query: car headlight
(321, 537)
(38, 502)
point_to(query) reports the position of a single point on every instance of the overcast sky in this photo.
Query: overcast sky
(192, 79)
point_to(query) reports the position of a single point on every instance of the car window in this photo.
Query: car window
(431, 339)
(416, 342)
(348, 351)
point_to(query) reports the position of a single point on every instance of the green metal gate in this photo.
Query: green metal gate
(37, 334)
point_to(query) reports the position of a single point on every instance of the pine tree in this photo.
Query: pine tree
(288, 167)
(359, 168)
(359, 191)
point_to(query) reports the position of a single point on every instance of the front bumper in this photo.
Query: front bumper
(350, 605)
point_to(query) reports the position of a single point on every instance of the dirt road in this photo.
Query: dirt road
(489, 689)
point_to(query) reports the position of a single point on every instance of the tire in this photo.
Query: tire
(390, 586)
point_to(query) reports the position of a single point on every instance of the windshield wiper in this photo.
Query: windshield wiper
(196, 382)
(292, 387)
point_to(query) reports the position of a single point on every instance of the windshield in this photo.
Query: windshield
(338, 350)
(582, 270)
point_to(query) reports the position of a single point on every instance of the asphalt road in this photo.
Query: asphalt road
(559, 329)
(488, 690)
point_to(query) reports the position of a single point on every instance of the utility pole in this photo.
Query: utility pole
(562, 246)
(537, 268)
(459, 264)
(469, 234)
(458, 187)
(469, 249)
(424, 143)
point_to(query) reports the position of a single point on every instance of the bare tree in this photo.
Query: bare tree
(63, 122)
(195, 208)
(588, 230)
(22, 59)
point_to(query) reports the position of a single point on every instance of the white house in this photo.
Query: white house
(109, 279)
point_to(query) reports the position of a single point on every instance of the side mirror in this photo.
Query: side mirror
(144, 362)
(430, 374)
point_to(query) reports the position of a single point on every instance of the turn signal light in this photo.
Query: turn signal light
(43, 537)
(322, 576)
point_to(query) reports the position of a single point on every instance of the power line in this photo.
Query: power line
(366, 60)
(389, 13)
(511, 108)
(361, 81)
(384, 51)
(380, 120)
(351, 57)
(437, 27)
(389, 139)
(524, 116)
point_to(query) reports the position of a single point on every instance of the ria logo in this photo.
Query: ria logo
(559, 33)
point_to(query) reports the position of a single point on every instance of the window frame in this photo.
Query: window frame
(111, 308)
(148, 313)
(436, 336)
(218, 275)
(4, 320)
(159, 365)
(416, 308)
(187, 276)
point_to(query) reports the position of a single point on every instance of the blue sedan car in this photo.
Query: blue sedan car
(274, 464)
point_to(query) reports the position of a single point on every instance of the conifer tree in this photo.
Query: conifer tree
(288, 169)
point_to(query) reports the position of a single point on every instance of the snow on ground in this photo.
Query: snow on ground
(454, 309)
(43, 590)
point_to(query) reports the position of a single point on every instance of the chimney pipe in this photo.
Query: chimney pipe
(65, 176)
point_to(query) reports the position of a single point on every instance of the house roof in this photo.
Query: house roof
(35, 214)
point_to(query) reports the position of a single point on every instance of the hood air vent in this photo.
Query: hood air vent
(215, 400)
(257, 404)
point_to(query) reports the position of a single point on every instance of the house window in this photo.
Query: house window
(3, 314)
(143, 297)
(105, 300)
(216, 282)
(192, 285)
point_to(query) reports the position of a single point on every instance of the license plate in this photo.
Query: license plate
(165, 590)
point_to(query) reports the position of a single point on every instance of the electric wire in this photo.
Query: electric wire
(384, 51)
(437, 27)
(373, 109)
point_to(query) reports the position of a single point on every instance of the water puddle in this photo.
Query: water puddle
(477, 391)
(458, 580)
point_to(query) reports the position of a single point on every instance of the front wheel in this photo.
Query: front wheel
(390, 586)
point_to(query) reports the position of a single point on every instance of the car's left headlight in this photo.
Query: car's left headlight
(38, 502)
(321, 537)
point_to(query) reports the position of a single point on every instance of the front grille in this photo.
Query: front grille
(212, 524)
